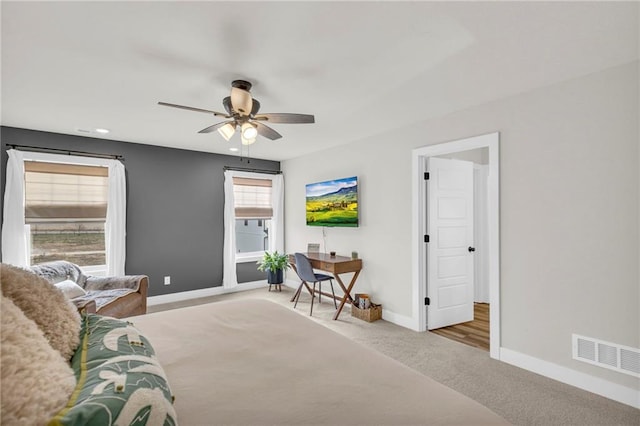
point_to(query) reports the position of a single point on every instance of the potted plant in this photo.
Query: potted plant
(274, 263)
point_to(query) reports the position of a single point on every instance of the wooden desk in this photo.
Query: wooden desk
(335, 265)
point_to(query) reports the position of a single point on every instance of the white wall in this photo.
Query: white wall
(569, 212)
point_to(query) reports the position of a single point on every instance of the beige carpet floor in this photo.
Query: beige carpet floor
(521, 397)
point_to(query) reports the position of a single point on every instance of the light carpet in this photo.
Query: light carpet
(521, 397)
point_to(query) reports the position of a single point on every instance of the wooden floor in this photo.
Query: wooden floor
(473, 333)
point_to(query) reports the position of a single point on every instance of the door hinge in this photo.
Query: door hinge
(427, 301)
(426, 238)
(426, 175)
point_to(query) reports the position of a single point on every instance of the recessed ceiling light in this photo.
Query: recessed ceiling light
(233, 149)
(102, 131)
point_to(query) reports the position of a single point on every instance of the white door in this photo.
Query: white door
(450, 246)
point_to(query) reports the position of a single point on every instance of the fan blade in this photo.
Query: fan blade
(215, 127)
(283, 117)
(267, 131)
(206, 111)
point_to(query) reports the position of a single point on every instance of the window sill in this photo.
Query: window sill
(249, 257)
(95, 270)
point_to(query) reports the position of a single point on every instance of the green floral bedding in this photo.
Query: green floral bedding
(120, 381)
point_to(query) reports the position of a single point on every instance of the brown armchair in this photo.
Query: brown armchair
(117, 297)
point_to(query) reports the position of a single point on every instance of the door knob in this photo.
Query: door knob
(472, 249)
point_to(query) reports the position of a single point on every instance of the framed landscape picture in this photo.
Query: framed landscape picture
(333, 203)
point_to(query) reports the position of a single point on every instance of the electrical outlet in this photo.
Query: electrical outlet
(167, 280)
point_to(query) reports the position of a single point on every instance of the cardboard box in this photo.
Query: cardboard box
(371, 314)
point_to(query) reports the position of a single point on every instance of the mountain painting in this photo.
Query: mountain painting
(333, 203)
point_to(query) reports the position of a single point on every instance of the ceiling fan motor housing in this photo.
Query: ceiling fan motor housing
(241, 84)
(241, 97)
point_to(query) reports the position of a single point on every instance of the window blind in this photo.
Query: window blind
(252, 198)
(64, 192)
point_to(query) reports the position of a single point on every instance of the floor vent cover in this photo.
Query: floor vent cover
(605, 354)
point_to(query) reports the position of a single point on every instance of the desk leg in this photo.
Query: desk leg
(347, 292)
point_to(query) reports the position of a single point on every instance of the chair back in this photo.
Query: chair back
(304, 268)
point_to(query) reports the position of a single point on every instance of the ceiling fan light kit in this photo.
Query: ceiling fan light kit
(242, 110)
(249, 131)
(227, 130)
(246, 141)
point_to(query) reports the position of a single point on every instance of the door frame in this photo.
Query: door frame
(419, 212)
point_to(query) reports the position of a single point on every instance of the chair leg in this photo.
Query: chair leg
(320, 292)
(335, 305)
(297, 295)
(313, 296)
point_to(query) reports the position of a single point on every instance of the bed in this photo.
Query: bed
(254, 362)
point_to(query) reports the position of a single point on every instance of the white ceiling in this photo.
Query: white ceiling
(362, 68)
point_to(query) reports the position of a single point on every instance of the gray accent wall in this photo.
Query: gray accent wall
(175, 204)
(249, 272)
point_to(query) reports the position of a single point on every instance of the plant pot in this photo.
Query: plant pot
(275, 277)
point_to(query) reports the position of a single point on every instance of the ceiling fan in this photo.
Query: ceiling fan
(242, 111)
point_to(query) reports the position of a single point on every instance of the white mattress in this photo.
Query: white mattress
(254, 362)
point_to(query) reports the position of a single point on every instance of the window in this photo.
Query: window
(253, 213)
(60, 206)
(256, 199)
(65, 213)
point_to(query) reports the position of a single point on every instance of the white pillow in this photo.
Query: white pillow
(70, 289)
(44, 304)
(36, 381)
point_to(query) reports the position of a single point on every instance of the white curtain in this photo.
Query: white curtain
(14, 237)
(115, 229)
(276, 239)
(229, 275)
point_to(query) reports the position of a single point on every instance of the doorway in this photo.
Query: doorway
(487, 147)
(473, 326)
(474, 333)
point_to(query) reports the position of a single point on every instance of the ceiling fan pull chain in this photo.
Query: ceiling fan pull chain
(242, 154)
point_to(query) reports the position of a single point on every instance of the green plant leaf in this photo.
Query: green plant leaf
(273, 262)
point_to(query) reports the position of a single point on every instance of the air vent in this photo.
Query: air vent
(586, 349)
(607, 355)
(630, 361)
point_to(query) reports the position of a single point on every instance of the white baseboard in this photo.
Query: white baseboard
(387, 315)
(614, 391)
(205, 292)
(397, 319)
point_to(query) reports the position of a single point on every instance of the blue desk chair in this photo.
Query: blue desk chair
(306, 274)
